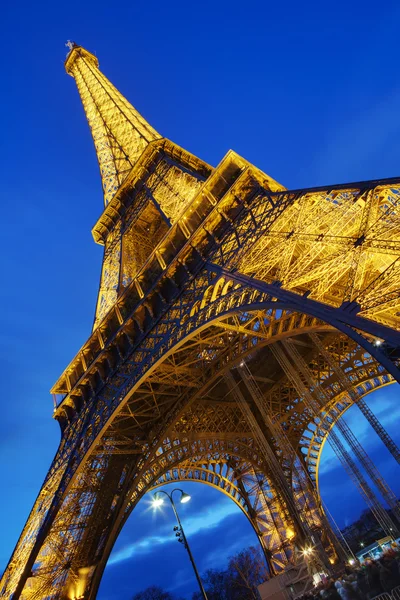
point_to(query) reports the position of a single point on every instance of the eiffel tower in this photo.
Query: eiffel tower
(235, 324)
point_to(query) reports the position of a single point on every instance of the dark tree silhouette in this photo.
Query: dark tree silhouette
(246, 570)
(217, 585)
(153, 593)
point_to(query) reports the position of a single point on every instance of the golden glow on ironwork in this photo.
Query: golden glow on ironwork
(77, 589)
(191, 375)
(337, 246)
(128, 152)
(290, 533)
(120, 133)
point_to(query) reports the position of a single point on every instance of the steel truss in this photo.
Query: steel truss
(252, 491)
(347, 433)
(304, 492)
(204, 269)
(315, 401)
(356, 397)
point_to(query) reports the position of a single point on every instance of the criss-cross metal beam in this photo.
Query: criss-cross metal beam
(205, 268)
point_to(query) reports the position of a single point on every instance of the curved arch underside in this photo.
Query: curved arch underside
(251, 491)
(209, 428)
(149, 394)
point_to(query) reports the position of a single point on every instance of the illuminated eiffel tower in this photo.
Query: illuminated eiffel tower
(236, 322)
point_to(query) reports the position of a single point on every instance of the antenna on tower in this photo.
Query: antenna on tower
(71, 45)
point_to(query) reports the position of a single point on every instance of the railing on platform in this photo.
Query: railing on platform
(393, 595)
(396, 593)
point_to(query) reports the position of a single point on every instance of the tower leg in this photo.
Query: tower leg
(305, 494)
(104, 499)
(379, 429)
(300, 527)
(360, 402)
(303, 380)
(265, 512)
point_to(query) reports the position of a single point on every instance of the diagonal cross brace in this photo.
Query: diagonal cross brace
(343, 317)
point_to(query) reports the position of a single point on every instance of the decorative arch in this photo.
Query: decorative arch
(137, 366)
(251, 491)
(232, 466)
(313, 446)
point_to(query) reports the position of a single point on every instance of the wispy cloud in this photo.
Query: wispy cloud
(207, 519)
(384, 404)
(328, 464)
(221, 555)
(212, 515)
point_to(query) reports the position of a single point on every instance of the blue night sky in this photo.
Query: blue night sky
(306, 91)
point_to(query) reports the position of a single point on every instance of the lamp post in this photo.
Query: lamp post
(180, 534)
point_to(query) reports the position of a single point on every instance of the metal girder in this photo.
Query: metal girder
(251, 491)
(205, 268)
(343, 315)
(302, 487)
(344, 429)
(316, 400)
(356, 398)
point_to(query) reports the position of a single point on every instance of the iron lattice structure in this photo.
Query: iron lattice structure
(236, 322)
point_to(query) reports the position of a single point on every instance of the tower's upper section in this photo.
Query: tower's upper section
(120, 133)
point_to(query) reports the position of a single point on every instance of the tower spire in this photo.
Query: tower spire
(120, 133)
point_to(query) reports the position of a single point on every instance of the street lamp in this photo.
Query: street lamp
(180, 534)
